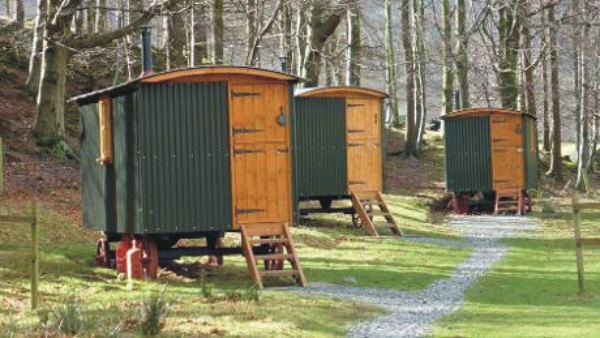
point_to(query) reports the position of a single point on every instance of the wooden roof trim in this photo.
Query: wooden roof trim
(480, 111)
(310, 92)
(217, 70)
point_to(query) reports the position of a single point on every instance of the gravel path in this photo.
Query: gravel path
(412, 313)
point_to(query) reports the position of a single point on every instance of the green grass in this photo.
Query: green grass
(533, 291)
(108, 303)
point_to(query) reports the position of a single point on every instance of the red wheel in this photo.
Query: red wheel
(102, 253)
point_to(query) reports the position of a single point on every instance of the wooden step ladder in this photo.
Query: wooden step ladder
(364, 203)
(510, 200)
(274, 242)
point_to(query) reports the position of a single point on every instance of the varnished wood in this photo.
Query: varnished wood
(106, 131)
(261, 165)
(278, 235)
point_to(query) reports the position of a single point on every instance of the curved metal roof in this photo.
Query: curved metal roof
(182, 73)
(484, 111)
(339, 90)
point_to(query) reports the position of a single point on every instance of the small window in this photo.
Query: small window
(106, 131)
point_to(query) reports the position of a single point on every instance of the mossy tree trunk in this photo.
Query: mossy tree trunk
(323, 24)
(218, 31)
(462, 67)
(447, 68)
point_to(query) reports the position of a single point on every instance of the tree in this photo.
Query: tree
(256, 29)
(19, 14)
(410, 143)
(546, 114)
(531, 106)
(391, 77)
(176, 41)
(421, 72)
(354, 44)
(35, 60)
(509, 37)
(324, 20)
(462, 74)
(555, 169)
(447, 69)
(59, 44)
(218, 31)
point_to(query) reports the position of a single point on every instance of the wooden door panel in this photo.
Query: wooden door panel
(507, 152)
(261, 163)
(363, 137)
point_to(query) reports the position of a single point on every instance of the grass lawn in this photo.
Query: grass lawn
(533, 291)
(205, 301)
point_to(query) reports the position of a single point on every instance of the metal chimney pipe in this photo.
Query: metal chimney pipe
(284, 64)
(146, 50)
(457, 103)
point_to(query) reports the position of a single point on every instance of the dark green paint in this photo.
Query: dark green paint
(468, 154)
(320, 148)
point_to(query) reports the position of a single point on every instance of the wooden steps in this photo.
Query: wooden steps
(364, 203)
(276, 241)
(509, 200)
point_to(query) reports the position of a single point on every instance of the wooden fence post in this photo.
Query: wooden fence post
(578, 244)
(34, 258)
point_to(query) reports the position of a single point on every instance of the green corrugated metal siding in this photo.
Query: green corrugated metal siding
(125, 162)
(184, 165)
(93, 175)
(468, 164)
(321, 159)
(532, 168)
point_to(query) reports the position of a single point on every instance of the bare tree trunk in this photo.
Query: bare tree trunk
(391, 77)
(101, 16)
(421, 79)
(556, 159)
(19, 14)
(198, 34)
(288, 50)
(529, 66)
(447, 68)
(323, 25)
(509, 52)
(354, 44)
(176, 39)
(410, 146)
(583, 146)
(49, 126)
(546, 116)
(577, 71)
(219, 30)
(462, 69)
(35, 60)
(91, 16)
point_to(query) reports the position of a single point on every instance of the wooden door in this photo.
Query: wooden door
(363, 139)
(507, 152)
(261, 161)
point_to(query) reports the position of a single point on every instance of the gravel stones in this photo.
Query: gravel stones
(412, 313)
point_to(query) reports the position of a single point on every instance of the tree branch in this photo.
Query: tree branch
(95, 40)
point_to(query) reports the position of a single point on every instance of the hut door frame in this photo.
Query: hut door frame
(507, 152)
(363, 140)
(261, 159)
